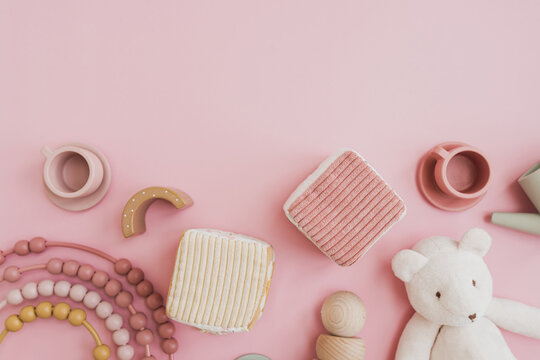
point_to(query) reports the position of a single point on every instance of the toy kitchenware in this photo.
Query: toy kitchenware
(135, 209)
(60, 311)
(344, 207)
(450, 288)
(101, 279)
(253, 357)
(343, 314)
(530, 183)
(220, 281)
(454, 176)
(76, 176)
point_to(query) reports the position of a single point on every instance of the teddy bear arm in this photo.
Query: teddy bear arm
(417, 339)
(515, 317)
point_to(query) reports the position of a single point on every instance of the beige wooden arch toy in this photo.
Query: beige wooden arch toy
(133, 216)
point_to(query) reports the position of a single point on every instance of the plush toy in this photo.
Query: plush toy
(457, 317)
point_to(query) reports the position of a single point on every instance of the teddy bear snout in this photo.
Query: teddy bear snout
(472, 317)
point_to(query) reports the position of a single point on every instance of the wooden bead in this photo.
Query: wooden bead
(100, 278)
(54, 266)
(77, 317)
(339, 348)
(21, 248)
(144, 337)
(154, 300)
(122, 266)
(12, 274)
(44, 310)
(101, 352)
(30, 291)
(71, 267)
(343, 314)
(135, 276)
(38, 245)
(13, 323)
(61, 311)
(27, 314)
(113, 287)
(170, 346)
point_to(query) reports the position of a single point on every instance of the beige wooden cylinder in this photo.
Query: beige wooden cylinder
(339, 348)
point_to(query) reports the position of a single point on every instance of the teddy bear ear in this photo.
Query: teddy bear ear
(406, 263)
(476, 241)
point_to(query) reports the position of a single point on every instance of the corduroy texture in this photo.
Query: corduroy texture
(345, 209)
(220, 281)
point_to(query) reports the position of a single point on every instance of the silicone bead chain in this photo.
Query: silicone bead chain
(78, 293)
(123, 267)
(112, 288)
(60, 311)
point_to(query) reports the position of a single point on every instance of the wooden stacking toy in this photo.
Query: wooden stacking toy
(343, 315)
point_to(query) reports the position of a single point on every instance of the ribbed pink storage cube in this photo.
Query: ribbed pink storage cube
(344, 207)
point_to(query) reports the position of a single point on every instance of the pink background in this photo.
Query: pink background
(235, 102)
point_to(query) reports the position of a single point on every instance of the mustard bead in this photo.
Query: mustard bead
(27, 314)
(76, 317)
(44, 310)
(61, 311)
(13, 323)
(102, 352)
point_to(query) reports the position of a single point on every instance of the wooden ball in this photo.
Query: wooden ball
(343, 314)
(338, 348)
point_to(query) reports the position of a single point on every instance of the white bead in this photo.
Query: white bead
(91, 299)
(46, 287)
(104, 310)
(61, 288)
(114, 322)
(14, 297)
(77, 292)
(121, 337)
(29, 291)
(125, 352)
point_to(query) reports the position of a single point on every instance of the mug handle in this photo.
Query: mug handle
(440, 153)
(46, 151)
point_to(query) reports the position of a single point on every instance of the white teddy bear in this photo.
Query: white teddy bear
(450, 287)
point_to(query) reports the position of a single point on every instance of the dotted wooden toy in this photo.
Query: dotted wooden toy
(60, 311)
(343, 315)
(135, 210)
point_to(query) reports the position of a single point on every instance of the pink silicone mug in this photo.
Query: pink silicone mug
(72, 171)
(462, 172)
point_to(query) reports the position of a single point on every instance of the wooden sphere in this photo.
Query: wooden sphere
(339, 348)
(343, 314)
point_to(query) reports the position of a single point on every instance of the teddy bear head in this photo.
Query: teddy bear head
(447, 282)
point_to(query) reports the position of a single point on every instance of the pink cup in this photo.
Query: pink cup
(71, 171)
(462, 172)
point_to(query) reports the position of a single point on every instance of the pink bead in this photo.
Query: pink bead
(85, 272)
(144, 288)
(70, 268)
(114, 322)
(54, 266)
(125, 352)
(61, 288)
(154, 301)
(169, 346)
(100, 279)
(144, 337)
(135, 276)
(160, 315)
(77, 292)
(137, 321)
(21, 248)
(46, 288)
(121, 337)
(91, 299)
(166, 330)
(113, 287)
(12, 274)
(104, 310)
(14, 297)
(30, 291)
(38, 245)
(122, 266)
(124, 299)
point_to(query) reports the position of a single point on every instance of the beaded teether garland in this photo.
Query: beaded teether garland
(60, 311)
(112, 287)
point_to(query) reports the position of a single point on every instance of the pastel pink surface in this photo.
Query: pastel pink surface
(234, 102)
